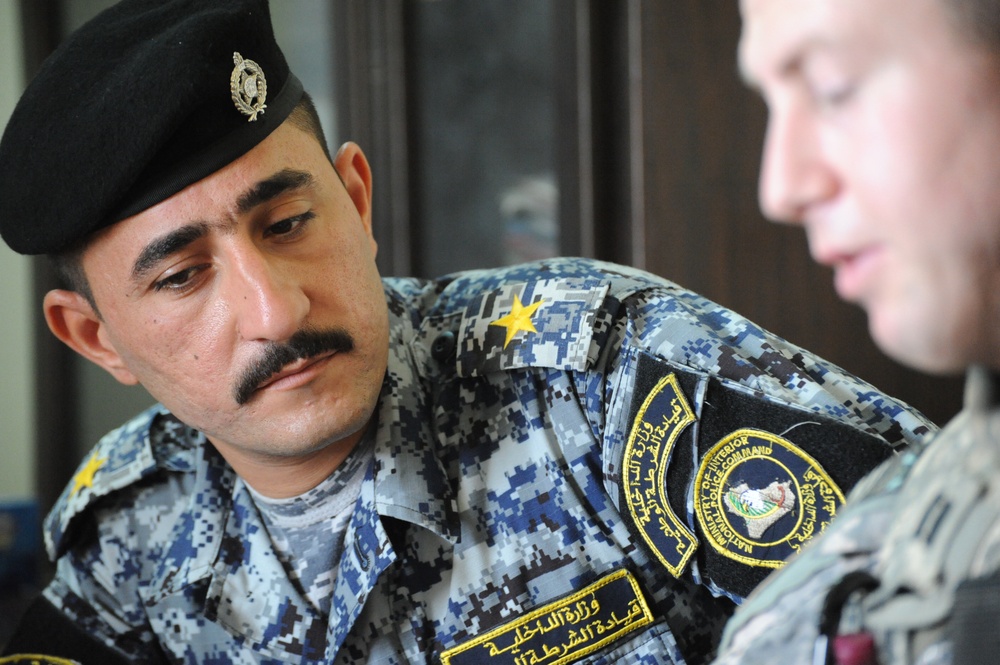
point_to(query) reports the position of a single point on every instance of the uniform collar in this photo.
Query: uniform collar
(411, 483)
(982, 389)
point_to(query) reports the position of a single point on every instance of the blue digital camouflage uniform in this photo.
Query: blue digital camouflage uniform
(921, 541)
(574, 463)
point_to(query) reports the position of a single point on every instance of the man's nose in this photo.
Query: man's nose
(268, 301)
(795, 173)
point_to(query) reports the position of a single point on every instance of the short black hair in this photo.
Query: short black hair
(305, 117)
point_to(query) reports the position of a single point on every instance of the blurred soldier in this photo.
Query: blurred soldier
(884, 143)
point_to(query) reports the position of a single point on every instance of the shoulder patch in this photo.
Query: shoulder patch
(657, 426)
(562, 631)
(546, 323)
(743, 479)
(752, 480)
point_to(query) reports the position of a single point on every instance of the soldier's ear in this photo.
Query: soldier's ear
(356, 174)
(73, 320)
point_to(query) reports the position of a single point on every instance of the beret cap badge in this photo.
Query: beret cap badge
(248, 87)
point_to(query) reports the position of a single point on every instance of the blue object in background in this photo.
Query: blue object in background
(20, 552)
(20, 540)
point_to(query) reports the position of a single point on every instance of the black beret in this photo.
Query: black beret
(145, 99)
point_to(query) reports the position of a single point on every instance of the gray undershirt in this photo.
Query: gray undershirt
(307, 531)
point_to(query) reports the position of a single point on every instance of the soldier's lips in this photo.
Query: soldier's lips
(297, 373)
(855, 273)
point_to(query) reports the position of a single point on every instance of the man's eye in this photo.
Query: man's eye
(289, 226)
(836, 96)
(177, 281)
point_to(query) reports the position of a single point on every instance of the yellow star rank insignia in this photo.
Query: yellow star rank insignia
(518, 320)
(85, 476)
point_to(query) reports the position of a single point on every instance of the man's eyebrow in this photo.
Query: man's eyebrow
(797, 59)
(791, 65)
(283, 181)
(162, 247)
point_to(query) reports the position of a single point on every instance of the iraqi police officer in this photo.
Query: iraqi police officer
(883, 142)
(559, 462)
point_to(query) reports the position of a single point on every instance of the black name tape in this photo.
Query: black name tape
(564, 630)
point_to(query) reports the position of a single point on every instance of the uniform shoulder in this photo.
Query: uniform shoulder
(120, 459)
(544, 314)
(462, 287)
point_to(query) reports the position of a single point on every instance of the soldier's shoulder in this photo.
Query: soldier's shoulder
(548, 314)
(136, 452)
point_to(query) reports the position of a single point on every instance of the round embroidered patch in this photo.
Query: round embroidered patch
(759, 497)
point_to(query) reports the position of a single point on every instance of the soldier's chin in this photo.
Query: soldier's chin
(920, 343)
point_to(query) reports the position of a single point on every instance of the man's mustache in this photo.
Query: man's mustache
(303, 344)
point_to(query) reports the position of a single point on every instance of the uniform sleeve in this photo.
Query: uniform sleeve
(724, 447)
(727, 447)
(686, 330)
(99, 536)
(90, 611)
(44, 630)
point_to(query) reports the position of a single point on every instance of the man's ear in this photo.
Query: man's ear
(76, 324)
(352, 165)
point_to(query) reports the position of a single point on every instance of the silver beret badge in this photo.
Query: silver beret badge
(248, 86)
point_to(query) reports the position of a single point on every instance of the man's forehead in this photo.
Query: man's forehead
(775, 33)
(282, 162)
(766, 27)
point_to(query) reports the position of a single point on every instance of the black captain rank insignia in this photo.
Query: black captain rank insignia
(718, 474)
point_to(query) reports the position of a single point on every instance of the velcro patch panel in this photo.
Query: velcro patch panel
(738, 481)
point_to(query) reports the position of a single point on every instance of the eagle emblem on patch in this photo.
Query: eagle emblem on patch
(248, 87)
(759, 497)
